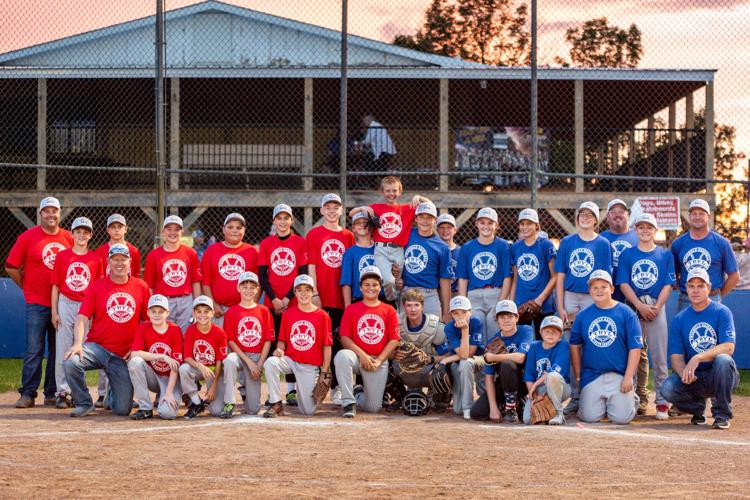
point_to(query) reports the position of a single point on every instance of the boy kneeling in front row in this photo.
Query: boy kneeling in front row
(548, 369)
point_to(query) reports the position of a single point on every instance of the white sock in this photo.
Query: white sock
(290, 386)
(195, 398)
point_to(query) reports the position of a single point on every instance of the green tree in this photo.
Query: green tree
(597, 44)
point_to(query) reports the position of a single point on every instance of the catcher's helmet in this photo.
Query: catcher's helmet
(415, 404)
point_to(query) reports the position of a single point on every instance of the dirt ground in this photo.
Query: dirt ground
(44, 453)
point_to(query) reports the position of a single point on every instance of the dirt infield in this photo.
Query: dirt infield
(45, 453)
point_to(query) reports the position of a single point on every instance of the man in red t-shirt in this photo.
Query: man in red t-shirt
(117, 229)
(222, 264)
(173, 270)
(304, 348)
(369, 334)
(114, 305)
(30, 265)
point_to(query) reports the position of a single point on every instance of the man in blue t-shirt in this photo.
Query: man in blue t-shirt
(703, 248)
(620, 239)
(503, 373)
(605, 344)
(446, 229)
(701, 344)
(356, 258)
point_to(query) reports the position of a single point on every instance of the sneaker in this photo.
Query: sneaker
(662, 412)
(25, 402)
(63, 401)
(558, 419)
(81, 411)
(291, 398)
(720, 423)
(349, 411)
(699, 419)
(50, 401)
(134, 404)
(336, 396)
(571, 408)
(99, 402)
(142, 415)
(194, 410)
(358, 389)
(467, 414)
(674, 412)
(227, 411)
(510, 416)
(275, 410)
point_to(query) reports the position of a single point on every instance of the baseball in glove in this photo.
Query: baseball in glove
(413, 358)
(440, 379)
(322, 386)
(528, 310)
(495, 346)
(542, 411)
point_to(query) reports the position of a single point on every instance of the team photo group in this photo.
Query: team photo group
(390, 315)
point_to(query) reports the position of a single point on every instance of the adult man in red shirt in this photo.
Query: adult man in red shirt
(115, 305)
(30, 265)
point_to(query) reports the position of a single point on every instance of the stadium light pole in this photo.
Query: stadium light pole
(161, 153)
(343, 95)
(534, 107)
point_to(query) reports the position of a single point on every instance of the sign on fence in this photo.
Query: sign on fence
(666, 209)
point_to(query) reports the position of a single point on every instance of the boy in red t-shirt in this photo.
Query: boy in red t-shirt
(394, 226)
(369, 334)
(75, 269)
(117, 229)
(205, 349)
(249, 329)
(304, 348)
(155, 359)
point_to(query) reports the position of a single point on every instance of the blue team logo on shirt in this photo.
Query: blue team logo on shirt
(697, 258)
(366, 260)
(618, 247)
(702, 337)
(644, 274)
(581, 262)
(484, 265)
(415, 259)
(527, 266)
(602, 331)
(543, 365)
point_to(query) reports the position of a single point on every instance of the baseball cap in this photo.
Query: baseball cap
(487, 213)
(552, 321)
(446, 218)
(543, 235)
(158, 300)
(426, 208)
(359, 215)
(203, 300)
(600, 274)
(646, 217)
(116, 218)
(590, 205)
(248, 276)
(330, 197)
(528, 214)
(506, 306)
(197, 233)
(702, 204)
(49, 202)
(304, 279)
(172, 219)
(460, 303)
(118, 249)
(234, 216)
(616, 201)
(699, 273)
(82, 222)
(282, 208)
(370, 272)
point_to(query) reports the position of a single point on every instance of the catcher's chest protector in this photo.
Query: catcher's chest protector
(424, 337)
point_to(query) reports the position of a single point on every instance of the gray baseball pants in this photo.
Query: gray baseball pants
(306, 375)
(181, 311)
(556, 388)
(483, 302)
(603, 398)
(145, 379)
(67, 309)
(347, 365)
(189, 378)
(465, 377)
(233, 368)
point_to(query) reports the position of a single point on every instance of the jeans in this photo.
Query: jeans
(716, 382)
(38, 327)
(120, 392)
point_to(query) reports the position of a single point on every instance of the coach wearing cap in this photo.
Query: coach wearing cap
(115, 305)
(703, 248)
(30, 265)
(618, 235)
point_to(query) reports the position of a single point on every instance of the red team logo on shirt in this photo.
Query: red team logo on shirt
(174, 272)
(390, 225)
(121, 307)
(231, 266)
(302, 336)
(332, 253)
(248, 331)
(160, 348)
(371, 328)
(49, 253)
(203, 352)
(283, 261)
(78, 276)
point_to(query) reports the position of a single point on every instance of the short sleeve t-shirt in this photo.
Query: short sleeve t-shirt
(221, 267)
(172, 273)
(453, 337)
(532, 267)
(283, 257)
(249, 328)
(484, 265)
(455, 251)
(427, 260)
(149, 340)
(370, 327)
(519, 342)
(619, 243)
(325, 250)
(694, 332)
(578, 258)
(356, 259)
(647, 273)
(135, 258)
(395, 223)
(205, 348)
(73, 273)
(713, 254)
(540, 361)
(304, 334)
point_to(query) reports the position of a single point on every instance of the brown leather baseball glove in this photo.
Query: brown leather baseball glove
(414, 358)
(528, 310)
(542, 411)
(495, 346)
(322, 386)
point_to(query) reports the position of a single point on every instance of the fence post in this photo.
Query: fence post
(174, 133)
(343, 121)
(444, 133)
(41, 134)
(534, 108)
(710, 136)
(159, 124)
(579, 134)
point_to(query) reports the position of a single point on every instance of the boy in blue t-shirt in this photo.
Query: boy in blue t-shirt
(446, 230)
(356, 258)
(547, 370)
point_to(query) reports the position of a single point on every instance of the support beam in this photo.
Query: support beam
(567, 226)
(174, 132)
(308, 218)
(444, 132)
(299, 227)
(22, 217)
(464, 217)
(710, 135)
(579, 137)
(672, 139)
(64, 213)
(307, 156)
(193, 216)
(41, 133)
(151, 213)
(689, 125)
(651, 145)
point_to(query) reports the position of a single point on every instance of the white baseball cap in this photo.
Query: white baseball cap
(116, 218)
(282, 208)
(600, 274)
(248, 276)
(460, 303)
(543, 235)
(158, 300)
(446, 218)
(203, 300)
(426, 208)
(647, 218)
(699, 273)
(616, 201)
(49, 202)
(528, 214)
(359, 215)
(330, 197)
(702, 204)
(487, 213)
(506, 306)
(82, 222)
(234, 216)
(172, 219)
(369, 272)
(118, 249)
(589, 205)
(304, 279)
(552, 321)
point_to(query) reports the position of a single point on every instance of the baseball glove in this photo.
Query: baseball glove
(322, 386)
(542, 411)
(440, 379)
(528, 310)
(495, 346)
(414, 358)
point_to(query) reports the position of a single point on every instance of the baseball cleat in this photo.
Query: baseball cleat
(698, 419)
(142, 415)
(63, 401)
(662, 412)
(720, 423)
(25, 402)
(291, 398)
(50, 400)
(227, 411)
(349, 411)
(336, 395)
(194, 410)
(558, 419)
(81, 411)
(275, 410)
(510, 416)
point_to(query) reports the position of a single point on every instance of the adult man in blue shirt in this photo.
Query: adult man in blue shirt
(620, 239)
